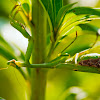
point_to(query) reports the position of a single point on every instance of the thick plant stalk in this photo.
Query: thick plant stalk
(38, 75)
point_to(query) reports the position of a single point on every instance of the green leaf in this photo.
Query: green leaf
(72, 30)
(71, 20)
(48, 38)
(64, 33)
(70, 23)
(89, 56)
(47, 4)
(11, 81)
(4, 52)
(84, 10)
(26, 7)
(62, 12)
(57, 84)
(85, 38)
(89, 27)
(96, 48)
(22, 55)
(4, 43)
(57, 4)
(71, 97)
(82, 42)
(52, 7)
(67, 32)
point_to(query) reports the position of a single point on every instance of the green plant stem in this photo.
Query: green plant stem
(38, 84)
(38, 75)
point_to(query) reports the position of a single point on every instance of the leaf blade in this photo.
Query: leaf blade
(6, 54)
(57, 4)
(62, 11)
(89, 27)
(47, 5)
(85, 10)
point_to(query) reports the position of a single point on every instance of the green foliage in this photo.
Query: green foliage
(26, 7)
(48, 7)
(56, 5)
(52, 7)
(89, 27)
(84, 10)
(4, 52)
(62, 11)
(71, 33)
(10, 82)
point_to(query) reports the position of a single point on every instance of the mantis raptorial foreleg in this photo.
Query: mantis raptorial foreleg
(26, 35)
(16, 24)
(29, 51)
(20, 27)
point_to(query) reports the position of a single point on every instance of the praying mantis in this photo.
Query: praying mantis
(62, 57)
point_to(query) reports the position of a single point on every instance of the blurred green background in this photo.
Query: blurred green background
(61, 84)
